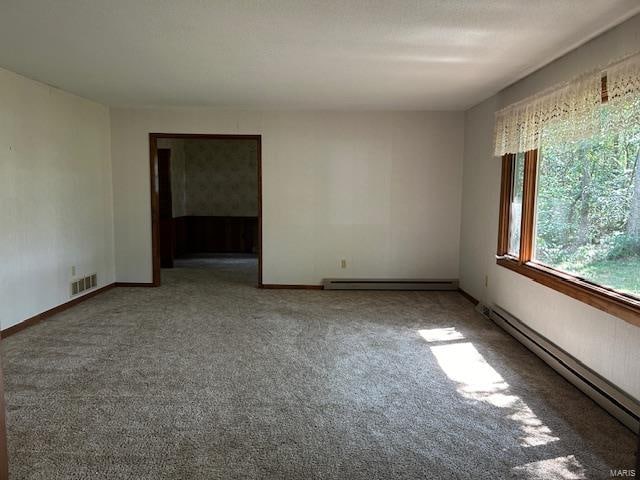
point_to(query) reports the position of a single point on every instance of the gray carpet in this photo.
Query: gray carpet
(208, 377)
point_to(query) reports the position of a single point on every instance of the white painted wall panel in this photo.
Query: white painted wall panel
(56, 196)
(380, 189)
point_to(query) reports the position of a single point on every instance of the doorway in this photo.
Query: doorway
(186, 231)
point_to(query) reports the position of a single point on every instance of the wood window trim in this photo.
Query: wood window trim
(506, 193)
(527, 228)
(602, 298)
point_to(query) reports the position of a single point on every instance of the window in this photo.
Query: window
(587, 207)
(570, 206)
(515, 213)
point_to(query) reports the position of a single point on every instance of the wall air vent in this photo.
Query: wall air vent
(83, 284)
(483, 310)
(389, 284)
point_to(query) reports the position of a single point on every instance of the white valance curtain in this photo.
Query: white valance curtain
(577, 104)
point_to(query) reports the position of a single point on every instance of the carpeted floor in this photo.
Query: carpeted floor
(208, 377)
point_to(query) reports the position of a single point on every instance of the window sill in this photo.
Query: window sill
(619, 305)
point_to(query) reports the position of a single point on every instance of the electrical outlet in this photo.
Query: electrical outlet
(343, 263)
(73, 271)
(486, 281)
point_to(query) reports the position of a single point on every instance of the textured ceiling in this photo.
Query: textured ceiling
(329, 54)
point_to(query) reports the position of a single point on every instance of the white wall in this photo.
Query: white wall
(605, 343)
(381, 190)
(55, 193)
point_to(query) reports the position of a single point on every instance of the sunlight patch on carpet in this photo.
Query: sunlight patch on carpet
(562, 468)
(477, 380)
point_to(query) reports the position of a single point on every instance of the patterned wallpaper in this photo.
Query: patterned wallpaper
(221, 177)
(213, 177)
(178, 195)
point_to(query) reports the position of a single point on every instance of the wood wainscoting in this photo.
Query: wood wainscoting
(197, 234)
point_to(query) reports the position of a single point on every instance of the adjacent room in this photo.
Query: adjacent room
(320, 240)
(207, 204)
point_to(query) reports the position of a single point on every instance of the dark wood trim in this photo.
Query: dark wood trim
(155, 210)
(506, 188)
(468, 297)
(280, 286)
(155, 214)
(196, 234)
(52, 311)
(259, 140)
(165, 208)
(207, 136)
(612, 302)
(134, 284)
(528, 205)
(4, 457)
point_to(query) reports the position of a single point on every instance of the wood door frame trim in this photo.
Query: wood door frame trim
(153, 188)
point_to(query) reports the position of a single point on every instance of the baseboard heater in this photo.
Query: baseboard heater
(388, 284)
(617, 402)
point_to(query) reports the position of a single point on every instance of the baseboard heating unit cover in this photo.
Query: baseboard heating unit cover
(617, 402)
(388, 284)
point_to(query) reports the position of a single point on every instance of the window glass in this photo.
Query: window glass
(588, 201)
(515, 213)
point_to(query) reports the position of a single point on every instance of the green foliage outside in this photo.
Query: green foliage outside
(588, 203)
